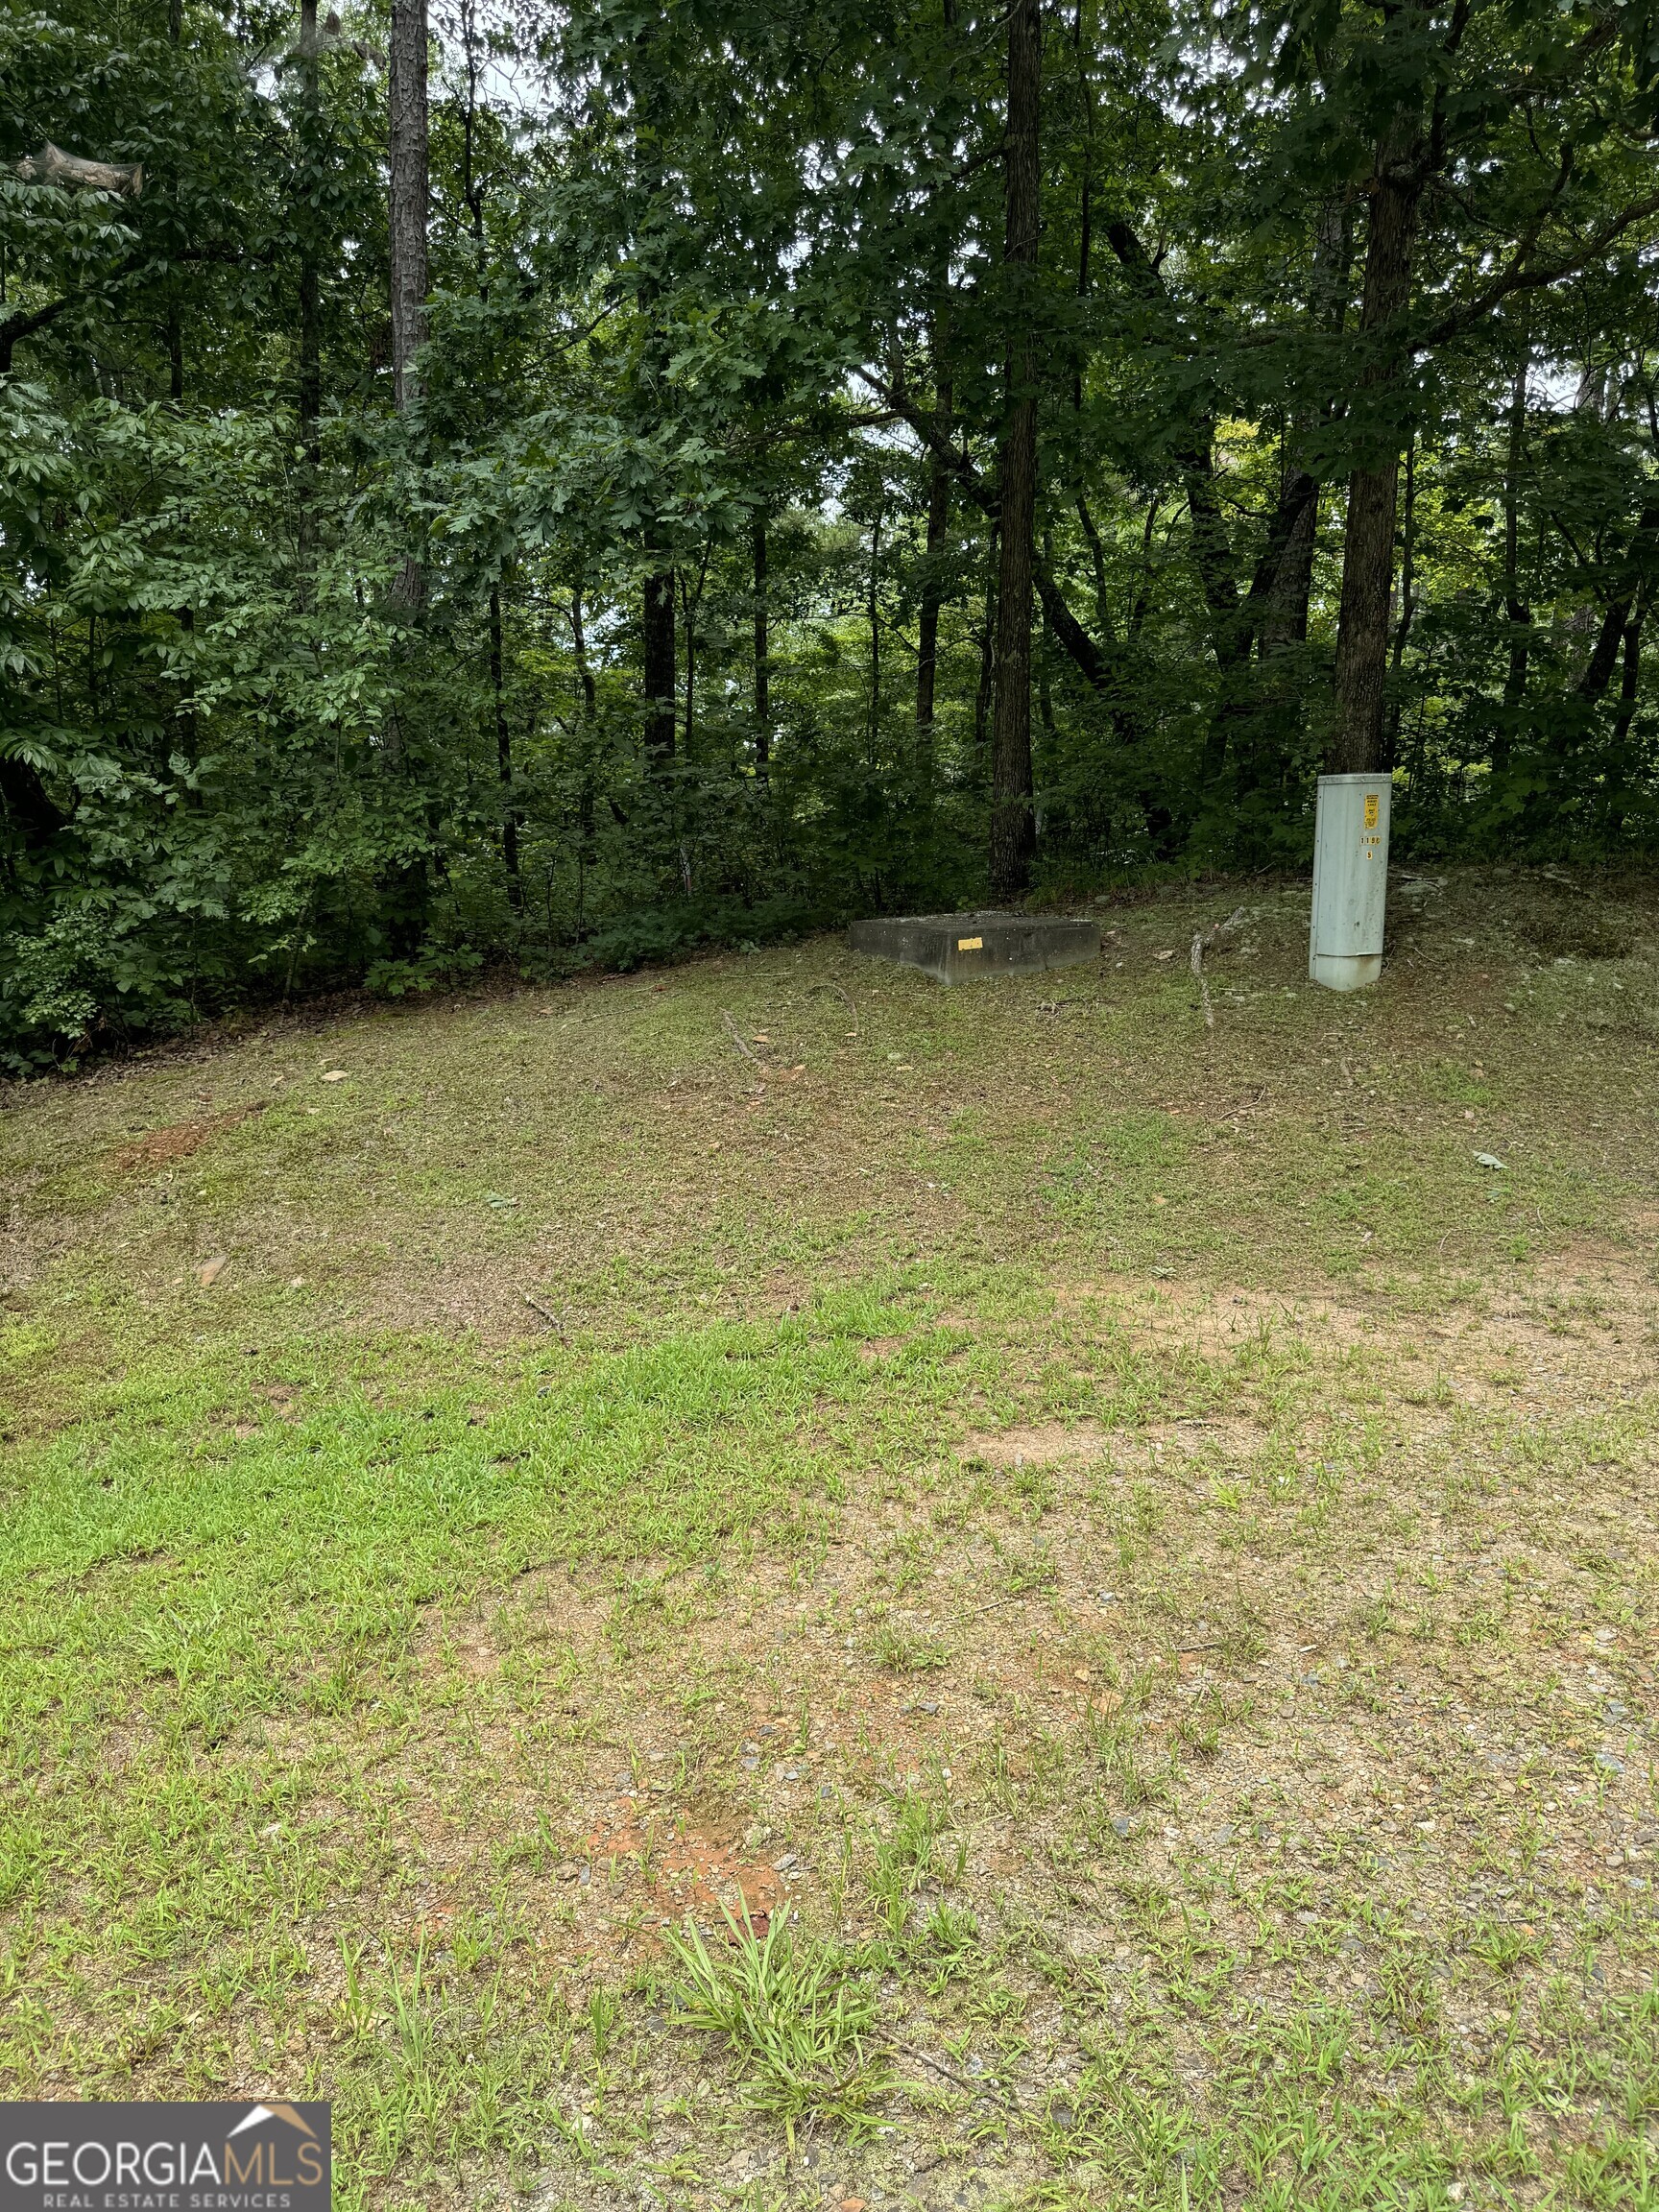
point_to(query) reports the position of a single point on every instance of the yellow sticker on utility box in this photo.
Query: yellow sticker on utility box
(969, 944)
(1372, 804)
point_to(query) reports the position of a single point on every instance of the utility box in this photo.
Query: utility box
(958, 948)
(1349, 881)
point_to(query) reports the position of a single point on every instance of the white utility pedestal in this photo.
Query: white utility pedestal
(1349, 881)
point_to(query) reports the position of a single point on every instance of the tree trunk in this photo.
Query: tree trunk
(1604, 658)
(1045, 655)
(660, 658)
(875, 612)
(938, 533)
(310, 385)
(762, 654)
(986, 693)
(504, 759)
(1285, 624)
(26, 811)
(409, 189)
(692, 601)
(1605, 654)
(1356, 739)
(1407, 595)
(406, 230)
(1629, 681)
(585, 673)
(1012, 830)
(1097, 562)
(310, 286)
(1516, 608)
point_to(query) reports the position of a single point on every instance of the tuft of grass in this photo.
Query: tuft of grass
(799, 2018)
(903, 1653)
(1503, 1947)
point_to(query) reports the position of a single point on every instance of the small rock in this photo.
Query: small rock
(1488, 1160)
(566, 1870)
(1123, 1827)
(783, 1863)
(211, 1270)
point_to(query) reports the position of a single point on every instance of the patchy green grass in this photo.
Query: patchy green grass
(998, 1599)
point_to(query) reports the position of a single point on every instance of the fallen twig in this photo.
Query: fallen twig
(997, 1603)
(962, 2081)
(739, 1039)
(1201, 943)
(552, 1319)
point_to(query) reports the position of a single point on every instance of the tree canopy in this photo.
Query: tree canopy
(566, 484)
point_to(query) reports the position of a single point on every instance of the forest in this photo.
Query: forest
(487, 487)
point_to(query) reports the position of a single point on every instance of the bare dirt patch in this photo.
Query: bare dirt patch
(163, 1147)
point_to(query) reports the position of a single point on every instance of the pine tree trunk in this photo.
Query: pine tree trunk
(1358, 738)
(1012, 830)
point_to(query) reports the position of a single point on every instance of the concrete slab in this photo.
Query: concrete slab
(956, 947)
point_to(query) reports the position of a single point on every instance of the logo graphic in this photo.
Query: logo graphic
(165, 2158)
(275, 2112)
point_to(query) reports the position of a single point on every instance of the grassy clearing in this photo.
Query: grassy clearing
(994, 1599)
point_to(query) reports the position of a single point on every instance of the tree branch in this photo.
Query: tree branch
(24, 325)
(1090, 660)
(1518, 278)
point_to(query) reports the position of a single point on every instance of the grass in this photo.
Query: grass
(800, 2019)
(1025, 1603)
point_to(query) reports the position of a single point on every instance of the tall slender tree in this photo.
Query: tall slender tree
(1013, 826)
